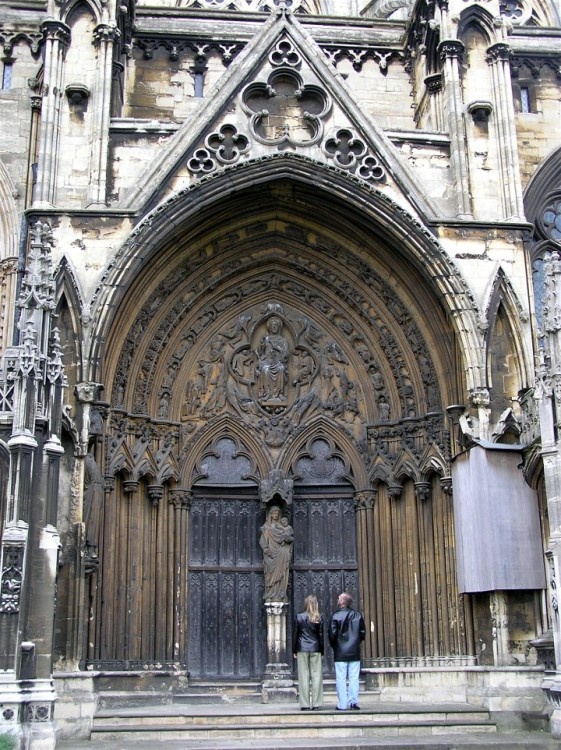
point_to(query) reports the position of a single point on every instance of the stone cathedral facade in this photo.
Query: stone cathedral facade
(303, 254)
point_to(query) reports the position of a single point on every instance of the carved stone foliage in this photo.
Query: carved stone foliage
(283, 109)
(11, 578)
(272, 367)
(302, 358)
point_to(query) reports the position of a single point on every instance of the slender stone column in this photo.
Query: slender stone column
(181, 500)
(364, 505)
(57, 39)
(548, 396)
(451, 52)
(498, 56)
(278, 686)
(105, 37)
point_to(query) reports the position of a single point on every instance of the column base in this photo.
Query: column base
(278, 685)
(27, 712)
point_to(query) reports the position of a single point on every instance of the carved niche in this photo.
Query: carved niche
(271, 368)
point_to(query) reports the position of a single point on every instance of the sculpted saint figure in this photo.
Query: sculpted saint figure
(94, 489)
(277, 537)
(272, 366)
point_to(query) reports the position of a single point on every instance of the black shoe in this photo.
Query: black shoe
(340, 709)
(305, 708)
(316, 708)
(354, 707)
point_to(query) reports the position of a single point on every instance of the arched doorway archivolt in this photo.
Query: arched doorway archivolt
(282, 326)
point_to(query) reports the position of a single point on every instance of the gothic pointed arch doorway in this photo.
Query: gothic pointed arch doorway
(275, 329)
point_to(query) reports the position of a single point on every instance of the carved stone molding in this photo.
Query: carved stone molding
(9, 35)
(179, 48)
(535, 63)
(359, 55)
(277, 483)
(56, 31)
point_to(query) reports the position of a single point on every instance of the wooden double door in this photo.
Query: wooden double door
(226, 616)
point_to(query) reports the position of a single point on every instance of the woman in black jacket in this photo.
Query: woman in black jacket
(307, 647)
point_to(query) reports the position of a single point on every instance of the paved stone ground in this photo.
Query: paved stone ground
(501, 741)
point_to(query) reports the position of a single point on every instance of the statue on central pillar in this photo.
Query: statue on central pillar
(277, 538)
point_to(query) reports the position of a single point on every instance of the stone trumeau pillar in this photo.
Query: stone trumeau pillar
(548, 397)
(498, 56)
(57, 38)
(30, 540)
(451, 53)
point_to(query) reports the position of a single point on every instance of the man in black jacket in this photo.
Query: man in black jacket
(346, 631)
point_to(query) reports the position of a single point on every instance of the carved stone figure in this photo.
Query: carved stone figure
(94, 491)
(272, 368)
(277, 537)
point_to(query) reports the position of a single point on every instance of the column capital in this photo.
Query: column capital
(364, 499)
(87, 392)
(451, 49)
(499, 52)
(104, 32)
(56, 31)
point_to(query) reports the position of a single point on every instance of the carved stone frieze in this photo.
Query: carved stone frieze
(359, 55)
(10, 35)
(11, 576)
(180, 48)
(266, 6)
(535, 63)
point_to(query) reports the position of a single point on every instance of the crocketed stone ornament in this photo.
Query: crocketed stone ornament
(249, 5)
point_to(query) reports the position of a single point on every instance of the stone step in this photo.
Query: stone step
(244, 722)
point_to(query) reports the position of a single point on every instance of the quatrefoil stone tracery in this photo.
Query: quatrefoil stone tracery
(285, 110)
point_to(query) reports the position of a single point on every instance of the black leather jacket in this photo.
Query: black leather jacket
(346, 631)
(306, 635)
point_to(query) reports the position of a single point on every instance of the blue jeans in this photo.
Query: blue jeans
(347, 670)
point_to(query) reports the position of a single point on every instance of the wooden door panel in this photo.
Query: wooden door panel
(227, 627)
(325, 554)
